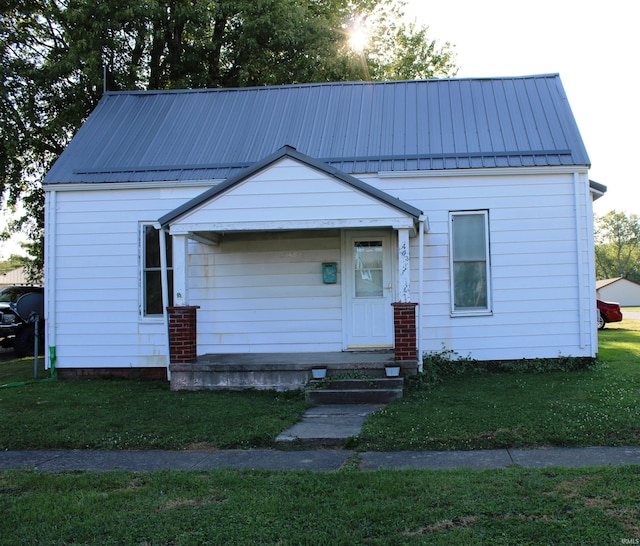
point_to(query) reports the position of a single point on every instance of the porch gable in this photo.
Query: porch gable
(289, 191)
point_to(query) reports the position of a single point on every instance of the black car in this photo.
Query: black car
(15, 332)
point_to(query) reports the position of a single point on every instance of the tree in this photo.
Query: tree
(397, 50)
(617, 246)
(14, 262)
(57, 55)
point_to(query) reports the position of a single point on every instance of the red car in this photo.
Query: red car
(608, 312)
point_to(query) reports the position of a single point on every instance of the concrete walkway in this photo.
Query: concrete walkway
(329, 424)
(323, 460)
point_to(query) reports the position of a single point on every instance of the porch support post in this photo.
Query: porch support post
(164, 275)
(183, 348)
(404, 323)
(404, 312)
(183, 334)
(404, 266)
(180, 296)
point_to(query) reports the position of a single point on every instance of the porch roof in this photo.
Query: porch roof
(290, 190)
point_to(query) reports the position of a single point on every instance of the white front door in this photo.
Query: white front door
(368, 290)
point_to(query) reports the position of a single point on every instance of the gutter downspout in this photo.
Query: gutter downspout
(50, 280)
(593, 330)
(579, 250)
(421, 225)
(165, 294)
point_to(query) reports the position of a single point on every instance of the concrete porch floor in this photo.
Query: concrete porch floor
(280, 371)
(338, 360)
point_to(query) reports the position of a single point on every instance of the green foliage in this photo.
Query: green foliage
(14, 262)
(398, 50)
(53, 52)
(440, 365)
(617, 246)
(506, 506)
(324, 383)
(498, 507)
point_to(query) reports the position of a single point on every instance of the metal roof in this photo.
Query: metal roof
(355, 127)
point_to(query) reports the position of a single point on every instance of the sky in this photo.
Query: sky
(595, 47)
(7, 248)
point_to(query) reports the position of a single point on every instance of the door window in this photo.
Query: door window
(368, 260)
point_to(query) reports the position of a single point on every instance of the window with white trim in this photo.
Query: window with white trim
(152, 272)
(469, 262)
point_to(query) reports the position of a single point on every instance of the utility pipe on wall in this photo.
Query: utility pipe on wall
(165, 294)
(51, 198)
(421, 228)
(582, 286)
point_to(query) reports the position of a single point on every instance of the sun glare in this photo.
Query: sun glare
(358, 35)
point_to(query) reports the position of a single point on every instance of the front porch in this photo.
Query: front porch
(289, 254)
(279, 371)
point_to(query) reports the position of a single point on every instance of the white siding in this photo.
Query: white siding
(288, 193)
(541, 308)
(96, 294)
(263, 291)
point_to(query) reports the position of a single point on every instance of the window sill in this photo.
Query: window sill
(151, 319)
(469, 313)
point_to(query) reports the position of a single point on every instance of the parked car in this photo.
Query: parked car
(608, 311)
(14, 331)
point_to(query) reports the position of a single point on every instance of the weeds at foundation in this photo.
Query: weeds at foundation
(441, 365)
(323, 383)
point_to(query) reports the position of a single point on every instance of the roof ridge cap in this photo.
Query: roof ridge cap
(256, 88)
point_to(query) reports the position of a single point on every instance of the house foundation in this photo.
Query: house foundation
(278, 371)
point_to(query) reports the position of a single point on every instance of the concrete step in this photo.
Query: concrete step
(355, 391)
(353, 396)
(361, 383)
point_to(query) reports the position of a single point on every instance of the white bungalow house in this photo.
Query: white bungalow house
(255, 232)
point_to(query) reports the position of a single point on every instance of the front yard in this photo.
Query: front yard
(471, 411)
(350, 506)
(492, 410)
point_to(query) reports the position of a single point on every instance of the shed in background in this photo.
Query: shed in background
(621, 290)
(15, 276)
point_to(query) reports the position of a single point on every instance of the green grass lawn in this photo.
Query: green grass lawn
(349, 506)
(508, 506)
(493, 410)
(471, 411)
(127, 414)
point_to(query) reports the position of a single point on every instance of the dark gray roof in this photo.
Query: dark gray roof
(287, 151)
(355, 127)
(596, 186)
